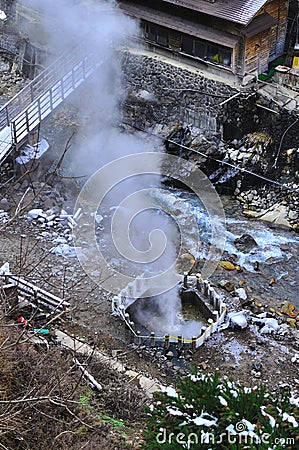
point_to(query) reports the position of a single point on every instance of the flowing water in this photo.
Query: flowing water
(277, 252)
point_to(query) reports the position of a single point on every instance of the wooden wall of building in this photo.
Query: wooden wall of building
(268, 45)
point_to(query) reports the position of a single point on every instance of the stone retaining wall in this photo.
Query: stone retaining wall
(162, 91)
(165, 91)
(8, 34)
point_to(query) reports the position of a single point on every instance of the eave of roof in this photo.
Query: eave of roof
(260, 23)
(182, 25)
(238, 11)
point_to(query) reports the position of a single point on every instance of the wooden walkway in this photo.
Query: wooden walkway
(24, 112)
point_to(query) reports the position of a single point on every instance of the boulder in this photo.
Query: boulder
(237, 319)
(5, 205)
(245, 243)
(227, 285)
(241, 293)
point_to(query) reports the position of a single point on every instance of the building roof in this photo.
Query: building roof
(260, 23)
(182, 25)
(238, 11)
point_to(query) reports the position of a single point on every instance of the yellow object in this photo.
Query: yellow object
(226, 265)
(288, 309)
(186, 262)
(295, 62)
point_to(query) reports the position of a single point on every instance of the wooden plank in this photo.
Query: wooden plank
(28, 288)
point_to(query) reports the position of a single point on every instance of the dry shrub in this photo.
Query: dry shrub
(55, 408)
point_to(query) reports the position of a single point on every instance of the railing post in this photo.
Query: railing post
(39, 110)
(180, 342)
(166, 341)
(13, 133)
(152, 339)
(27, 120)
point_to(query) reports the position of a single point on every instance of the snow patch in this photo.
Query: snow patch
(205, 420)
(64, 250)
(32, 152)
(222, 400)
(3, 16)
(170, 391)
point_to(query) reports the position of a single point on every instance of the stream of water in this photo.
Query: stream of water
(277, 252)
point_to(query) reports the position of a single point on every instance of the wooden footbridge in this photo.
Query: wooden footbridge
(24, 112)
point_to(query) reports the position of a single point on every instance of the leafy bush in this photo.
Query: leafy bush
(206, 413)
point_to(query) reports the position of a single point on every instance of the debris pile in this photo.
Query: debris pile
(53, 219)
(29, 152)
(63, 224)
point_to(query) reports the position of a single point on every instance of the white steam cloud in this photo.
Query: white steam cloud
(104, 29)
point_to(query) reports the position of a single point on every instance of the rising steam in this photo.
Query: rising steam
(132, 236)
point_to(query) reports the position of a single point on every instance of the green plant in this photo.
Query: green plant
(116, 424)
(85, 403)
(208, 413)
(85, 400)
(107, 419)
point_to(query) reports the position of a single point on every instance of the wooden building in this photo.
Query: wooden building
(233, 37)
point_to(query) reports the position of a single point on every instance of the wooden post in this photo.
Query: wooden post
(180, 342)
(152, 339)
(166, 341)
(198, 282)
(193, 343)
(127, 319)
(138, 338)
(185, 279)
(132, 324)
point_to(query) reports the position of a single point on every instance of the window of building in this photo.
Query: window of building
(198, 48)
(213, 53)
(187, 45)
(156, 34)
(225, 56)
(162, 37)
(206, 50)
